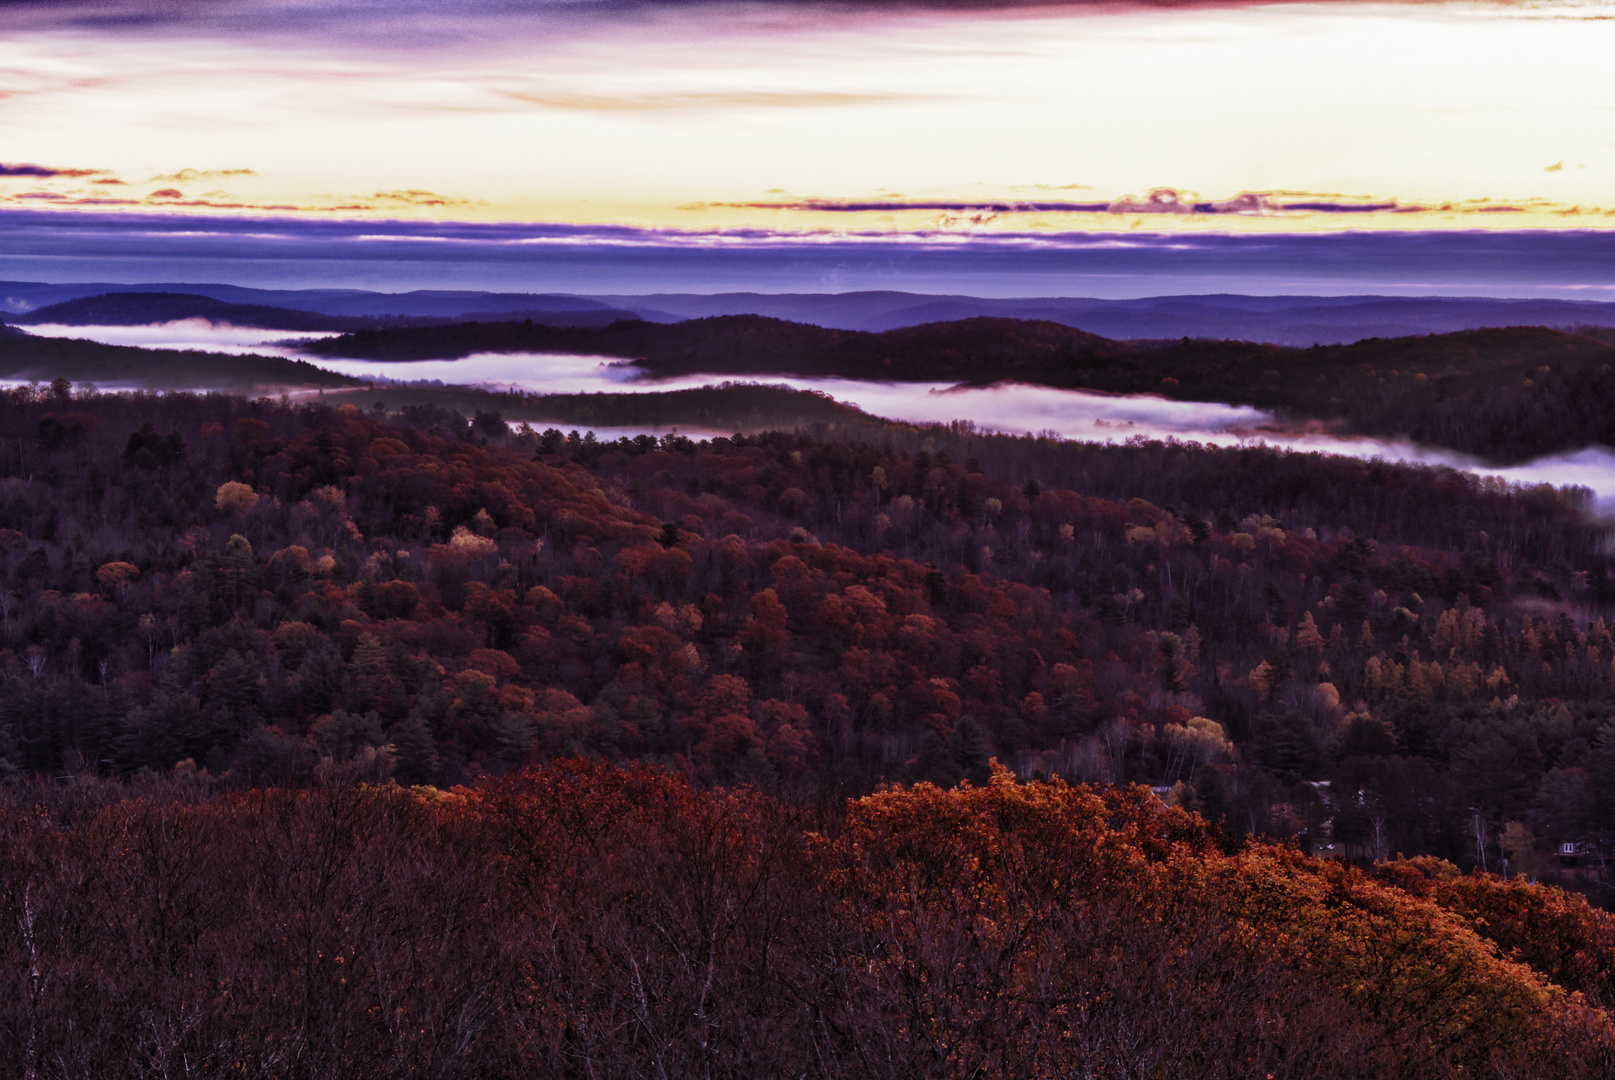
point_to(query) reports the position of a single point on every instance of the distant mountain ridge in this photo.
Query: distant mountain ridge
(19, 298)
(1276, 320)
(140, 309)
(147, 308)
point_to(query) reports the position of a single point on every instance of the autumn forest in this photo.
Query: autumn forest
(849, 748)
(807, 540)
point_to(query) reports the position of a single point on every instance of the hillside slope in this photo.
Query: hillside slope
(23, 356)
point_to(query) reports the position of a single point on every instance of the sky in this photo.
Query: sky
(1077, 149)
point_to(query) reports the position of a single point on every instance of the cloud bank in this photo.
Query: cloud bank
(42, 172)
(293, 252)
(1171, 202)
(257, 15)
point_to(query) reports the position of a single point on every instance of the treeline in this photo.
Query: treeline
(590, 920)
(1505, 395)
(140, 309)
(1362, 657)
(723, 407)
(23, 356)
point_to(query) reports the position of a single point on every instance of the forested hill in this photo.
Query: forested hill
(1501, 394)
(971, 349)
(23, 356)
(1504, 395)
(253, 585)
(139, 309)
(622, 675)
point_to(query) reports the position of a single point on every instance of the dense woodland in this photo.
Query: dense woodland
(372, 740)
(725, 407)
(1502, 395)
(1375, 657)
(24, 356)
(620, 922)
(756, 345)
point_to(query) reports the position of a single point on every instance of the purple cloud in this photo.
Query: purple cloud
(414, 23)
(1162, 200)
(23, 168)
(891, 206)
(41, 244)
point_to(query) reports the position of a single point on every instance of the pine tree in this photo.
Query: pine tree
(416, 749)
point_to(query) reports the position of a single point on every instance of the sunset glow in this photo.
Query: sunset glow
(1271, 118)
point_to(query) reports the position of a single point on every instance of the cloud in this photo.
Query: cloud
(58, 198)
(195, 333)
(411, 26)
(683, 102)
(262, 13)
(252, 246)
(837, 206)
(314, 14)
(1161, 200)
(518, 234)
(1352, 207)
(176, 199)
(27, 169)
(1165, 200)
(436, 24)
(172, 198)
(187, 176)
(417, 197)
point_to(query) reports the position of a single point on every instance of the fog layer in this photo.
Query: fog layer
(1014, 409)
(187, 334)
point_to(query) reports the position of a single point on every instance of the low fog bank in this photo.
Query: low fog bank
(1018, 409)
(183, 334)
(1013, 409)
